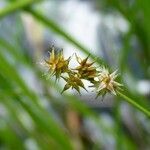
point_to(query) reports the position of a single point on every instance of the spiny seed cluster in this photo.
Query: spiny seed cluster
(101, 79)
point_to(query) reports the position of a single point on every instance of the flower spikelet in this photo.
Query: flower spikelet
(57, 64)
(85, 69)
(106, 82)
(74, 82)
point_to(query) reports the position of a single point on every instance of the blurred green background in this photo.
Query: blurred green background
(33, 113)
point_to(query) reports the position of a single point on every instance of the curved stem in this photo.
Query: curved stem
(12, 7)
(133, 103)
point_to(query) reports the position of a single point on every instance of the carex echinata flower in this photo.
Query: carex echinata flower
(106, 82)
(102, 80)
(85, 69)
(74, 82)
(56, 63)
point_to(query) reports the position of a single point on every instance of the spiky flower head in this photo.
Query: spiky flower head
(56, 63)
(74, 82)
(102, 80)
(106, 82)
(85, 69)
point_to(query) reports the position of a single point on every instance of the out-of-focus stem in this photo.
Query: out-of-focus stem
(14, 6)
(133, 103)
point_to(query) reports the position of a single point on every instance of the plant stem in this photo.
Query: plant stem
(12, 7)
(133, 103)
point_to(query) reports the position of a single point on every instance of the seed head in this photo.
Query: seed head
(57, 64)
(106, 82)
(74, 82)
(85, 69)
(102, 80)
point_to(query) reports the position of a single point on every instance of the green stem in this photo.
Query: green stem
(12, 7)
(133, 103)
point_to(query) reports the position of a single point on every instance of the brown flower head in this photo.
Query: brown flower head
(74, 82)
(85, 69)
(57, 64)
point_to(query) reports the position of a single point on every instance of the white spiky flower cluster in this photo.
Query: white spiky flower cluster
(106, 82)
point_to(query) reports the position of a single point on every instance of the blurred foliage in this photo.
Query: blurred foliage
(40, 119)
